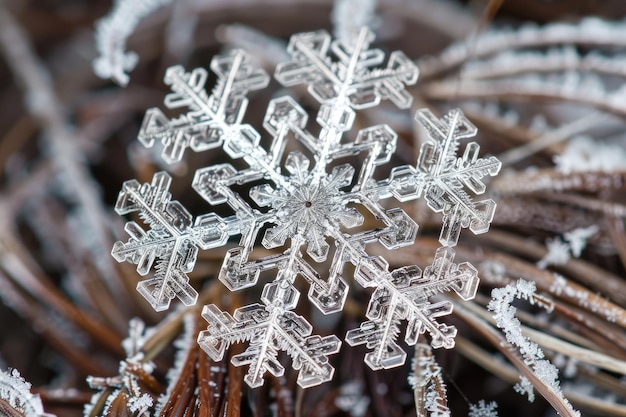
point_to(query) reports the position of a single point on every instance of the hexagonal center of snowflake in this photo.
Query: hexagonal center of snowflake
(310, 207)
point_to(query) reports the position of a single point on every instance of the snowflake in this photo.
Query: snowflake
(299, 202)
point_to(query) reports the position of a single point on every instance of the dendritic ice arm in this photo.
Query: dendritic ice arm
(444, 178)
(172, 241)
(349, 81)
(270, 328)
(211, 120)
(403, 294)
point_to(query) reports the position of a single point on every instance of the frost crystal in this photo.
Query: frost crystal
(561, 250)
(113, 30)
(126, 390)
(483, 409)
(300, 200)
(504, 314)
(15, 394)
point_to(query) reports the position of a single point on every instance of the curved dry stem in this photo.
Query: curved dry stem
(524, 91)
(496, 339)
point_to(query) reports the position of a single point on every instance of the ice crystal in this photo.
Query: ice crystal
(504, 314)
(126, 390)
(113, 30)
(15, 397)
(429, 388)
(483, 409)
(584, 154)
(560, 250)
(299, 201)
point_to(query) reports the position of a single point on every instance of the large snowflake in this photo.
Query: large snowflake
(300, 202)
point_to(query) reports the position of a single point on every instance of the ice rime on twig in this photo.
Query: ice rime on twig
(584, 154)
(113, 30)
(71, 170)
(15, 393)
(427, 382)
(304, 199)
(126, 390)
(533, 356)
(589, 32)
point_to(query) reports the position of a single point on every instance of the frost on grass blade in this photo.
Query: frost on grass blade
(16, 398)
(172, 241)
(504, 314)
(429, 389)
(126, 393)
(113, 30)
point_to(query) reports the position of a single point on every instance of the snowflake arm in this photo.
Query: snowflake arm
(442, 177)
(211, 120)
(349, 80)
(270, 329)
(403, 295)
(172, 241)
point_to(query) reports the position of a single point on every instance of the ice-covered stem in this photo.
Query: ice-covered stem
(514, 63)
(43, 103)
(504, 314)
(184, 373)
(127, 390)
(552, 180)
(565, 90)
(590, 279)
(589, 32)
(561, 405)
(113, 30)
(429, 388)
(16, 399)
